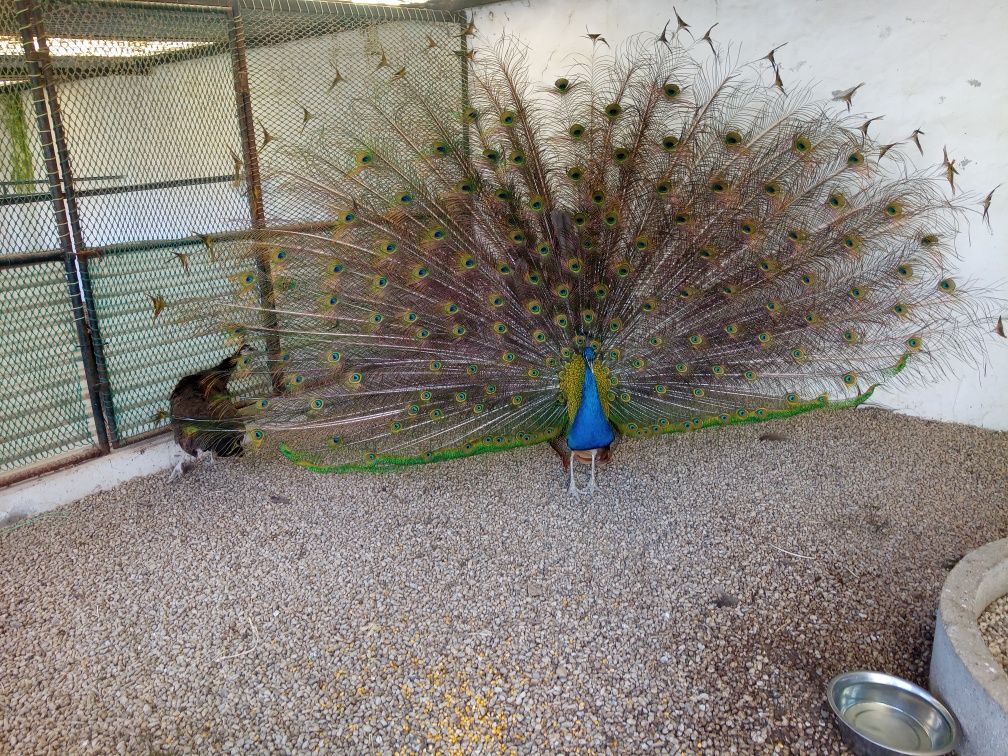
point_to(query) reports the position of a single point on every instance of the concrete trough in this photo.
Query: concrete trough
(964, 674)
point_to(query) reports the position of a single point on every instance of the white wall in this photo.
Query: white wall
(928, 64)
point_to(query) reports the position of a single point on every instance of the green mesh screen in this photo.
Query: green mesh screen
(45, 411)
(154, 156)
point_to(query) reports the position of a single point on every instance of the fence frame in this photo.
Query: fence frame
(62, 193)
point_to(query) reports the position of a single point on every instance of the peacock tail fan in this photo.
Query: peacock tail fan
(433, 275)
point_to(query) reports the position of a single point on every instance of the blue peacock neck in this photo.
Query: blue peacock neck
(590, 428)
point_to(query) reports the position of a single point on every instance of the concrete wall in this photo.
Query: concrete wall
(927, 64)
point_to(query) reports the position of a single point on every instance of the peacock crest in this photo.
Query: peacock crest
(700, 247)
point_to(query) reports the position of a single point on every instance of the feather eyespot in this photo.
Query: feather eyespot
(561, 84)
(837, 200)
(613, 110)
(733, 138)
(849, 378)
(576, 131)
(947, 285)
(801, 144)
(507, 117)
(670, 142)
(621, 155)
(671, 90)
(914, 343)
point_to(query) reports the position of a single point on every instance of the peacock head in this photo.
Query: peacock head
(589, 354)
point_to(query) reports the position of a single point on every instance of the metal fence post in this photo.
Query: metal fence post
(250, 156)
(43, 96)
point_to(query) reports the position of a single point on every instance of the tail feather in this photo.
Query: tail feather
(731, 253)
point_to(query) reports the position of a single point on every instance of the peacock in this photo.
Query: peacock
(662, 240)
(205, 418)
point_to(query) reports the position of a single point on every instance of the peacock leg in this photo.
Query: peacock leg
(179, 470)
(572, 489)
(591, 481)
(207, 455)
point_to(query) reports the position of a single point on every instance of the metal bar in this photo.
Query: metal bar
(70, 203)
(26, 27)
(464, 49)
(250, 155)
(245, 234)
(25, 259)
(17, 199)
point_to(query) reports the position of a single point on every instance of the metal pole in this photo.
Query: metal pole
(70, 202)
(24, 10)
(250, 156)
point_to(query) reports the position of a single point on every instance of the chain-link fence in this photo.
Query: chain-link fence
(129, 132)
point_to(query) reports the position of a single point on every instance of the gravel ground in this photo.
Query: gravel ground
(700, 601)
(994, 629)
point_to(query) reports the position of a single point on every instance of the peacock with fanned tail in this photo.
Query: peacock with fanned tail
(658, 242)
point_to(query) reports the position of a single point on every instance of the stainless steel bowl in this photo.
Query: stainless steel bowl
(882, 715)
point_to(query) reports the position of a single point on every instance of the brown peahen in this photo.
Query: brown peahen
(657, 242)
(205, 418)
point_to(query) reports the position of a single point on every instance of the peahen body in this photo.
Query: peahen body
(205, 419)
(656, 242)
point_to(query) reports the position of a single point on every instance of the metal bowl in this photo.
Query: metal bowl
(882, 715)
